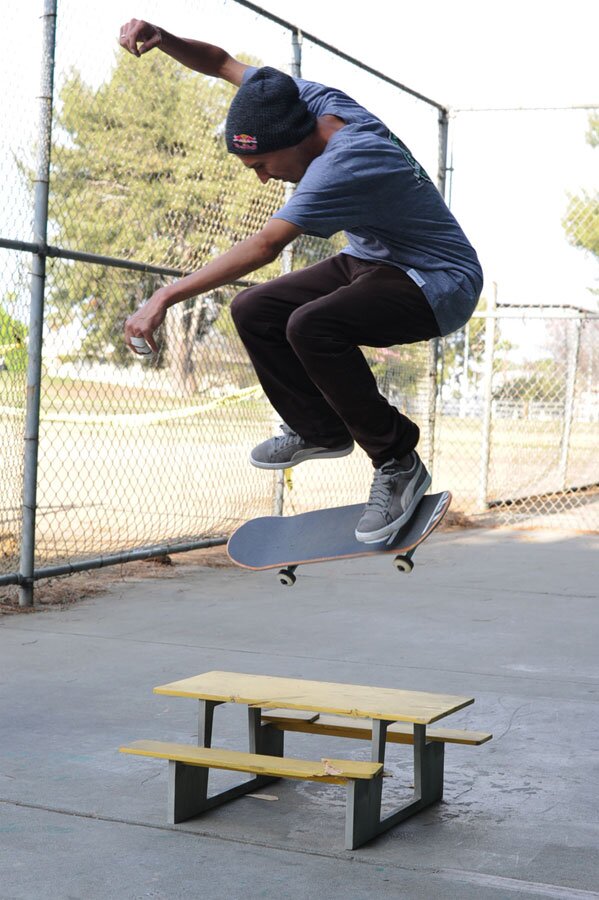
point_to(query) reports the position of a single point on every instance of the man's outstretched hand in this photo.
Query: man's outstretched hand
(139, 32)
(144, 322)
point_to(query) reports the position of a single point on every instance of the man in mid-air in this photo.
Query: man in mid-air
(408, 273)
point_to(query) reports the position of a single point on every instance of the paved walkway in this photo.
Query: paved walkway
(509, 617)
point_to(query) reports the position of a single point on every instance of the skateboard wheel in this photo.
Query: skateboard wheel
(403, 564)
(287, 578)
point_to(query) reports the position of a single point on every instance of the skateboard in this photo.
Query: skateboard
(286, 542)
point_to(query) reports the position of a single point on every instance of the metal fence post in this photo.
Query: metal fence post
(287, 255)
(434, 345)
(489, 360)
(296, 44)
(573, 355)
(443, 144)
(36, 314)
(433, 365)
(465, 379)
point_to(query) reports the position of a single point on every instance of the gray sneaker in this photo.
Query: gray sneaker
(288, 449)
(395, 493)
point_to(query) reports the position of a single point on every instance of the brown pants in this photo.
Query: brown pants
(302, 332)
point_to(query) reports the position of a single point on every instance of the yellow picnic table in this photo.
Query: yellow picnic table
(276, 705)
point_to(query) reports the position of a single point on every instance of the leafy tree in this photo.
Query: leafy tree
(462, 355)
(542, 382)
(140, 171)
(399, 371)
(581, 221)
(559, 342)
(13, 341)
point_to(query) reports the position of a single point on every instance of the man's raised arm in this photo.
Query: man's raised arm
(196, 55)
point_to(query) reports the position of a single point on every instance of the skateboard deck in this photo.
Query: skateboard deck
(271, 542)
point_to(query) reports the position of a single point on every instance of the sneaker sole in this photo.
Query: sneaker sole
(303, 456)
(376, 537)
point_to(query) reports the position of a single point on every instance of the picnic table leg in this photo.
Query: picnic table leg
(379, 740)
(205, 721)
(363, 811)
(188, 785)
(264, 738)
(363, 820)
(428, 767)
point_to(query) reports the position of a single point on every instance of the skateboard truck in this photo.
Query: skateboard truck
(287, 576)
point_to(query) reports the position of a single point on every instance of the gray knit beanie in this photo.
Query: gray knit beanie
(267, 114)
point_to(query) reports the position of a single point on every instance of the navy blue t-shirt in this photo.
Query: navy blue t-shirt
(367, 184)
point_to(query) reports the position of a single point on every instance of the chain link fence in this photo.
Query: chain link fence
(517, 429)
(140, 457)
(518, 418)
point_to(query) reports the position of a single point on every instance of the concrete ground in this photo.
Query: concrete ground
(507, 617)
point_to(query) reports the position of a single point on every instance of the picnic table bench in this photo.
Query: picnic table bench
(276, 705)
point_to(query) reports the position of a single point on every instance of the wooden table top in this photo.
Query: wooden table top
(359, 701)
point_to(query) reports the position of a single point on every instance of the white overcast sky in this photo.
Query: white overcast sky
(513, 171)
(467, 52)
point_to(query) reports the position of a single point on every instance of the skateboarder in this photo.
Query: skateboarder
(408, 273)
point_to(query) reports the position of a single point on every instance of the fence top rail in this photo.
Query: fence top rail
(342, 55)
(494, 109)
(537, 312)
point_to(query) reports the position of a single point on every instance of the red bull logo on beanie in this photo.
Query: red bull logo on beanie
(245, 142)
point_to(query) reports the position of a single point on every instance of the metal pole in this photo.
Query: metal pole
(449, 171)
(434, 344)
(465, 383)
(296, 44)
(287, 255)
(433, 364)
(485, 452)
(443, 144)
(569, 404)
(36, 315)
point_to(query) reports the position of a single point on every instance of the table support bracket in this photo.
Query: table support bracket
(363, 814)
(188, 785)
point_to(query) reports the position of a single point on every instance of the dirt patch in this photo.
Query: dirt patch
(454, 520)
(68, 589)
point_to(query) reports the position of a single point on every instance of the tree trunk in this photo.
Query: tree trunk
(179, 347)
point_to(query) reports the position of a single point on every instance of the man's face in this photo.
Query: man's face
(280, 165)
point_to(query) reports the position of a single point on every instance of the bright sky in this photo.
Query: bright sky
(513, 171)
(467, 52)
